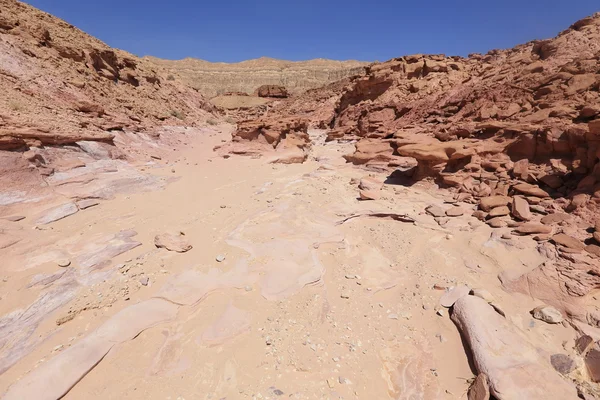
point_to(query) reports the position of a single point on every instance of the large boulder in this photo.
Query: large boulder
(275, 91)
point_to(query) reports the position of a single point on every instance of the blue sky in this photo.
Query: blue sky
(236, 30)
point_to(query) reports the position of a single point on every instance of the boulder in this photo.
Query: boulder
(275, 91)
(514, 367)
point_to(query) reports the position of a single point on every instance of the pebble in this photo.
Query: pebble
(248, 288)
(483, 294)
(350, 276)
(440, 312)
(393, 316)
(144, 280)
(345, 295)
(64, 263)
(220, 258)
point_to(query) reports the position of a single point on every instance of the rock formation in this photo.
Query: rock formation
(214, 79)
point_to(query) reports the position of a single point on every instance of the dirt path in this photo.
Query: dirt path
(303, 306)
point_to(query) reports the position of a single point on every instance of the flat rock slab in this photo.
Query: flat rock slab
(547, 314)
(530, 190)
(172, 242)
(455, 212)
(435, 211)
(488, 203)
(555, 218)
(57, 213)
(514, 367)
(14, 218)
(520, 209)
(533, 228)
(568, 241)
(499, 212)
(453, 294)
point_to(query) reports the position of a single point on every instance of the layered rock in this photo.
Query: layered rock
(213, 79)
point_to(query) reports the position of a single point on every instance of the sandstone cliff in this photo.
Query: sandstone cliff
(213, 79)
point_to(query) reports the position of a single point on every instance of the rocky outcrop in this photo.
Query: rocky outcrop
(77, 87)
(214, 79)
(275, 91)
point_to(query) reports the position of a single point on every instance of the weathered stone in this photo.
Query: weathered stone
(453, 294)
(483, 294)
(568, 241)
(498, 222)
(87, 203)
(532, 228)
(57, 213)
(173, 242)
(555, 218)
(563, 363)
(520, 208)
(488, 203)
(480, 389)
(593, 249)
(547, 314)
(583, 344)
(370, 188)
(455, 212)
(499, 212)
(530, 190)
(435, 211)
(592, 362)
(514, 367)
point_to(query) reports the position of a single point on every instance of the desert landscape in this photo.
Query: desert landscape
(422, 228)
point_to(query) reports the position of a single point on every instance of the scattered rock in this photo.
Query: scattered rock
(144, 280)
(57, 213)
(563, 363)
(455, 212)
(172, 242)
(499, 212)
(488, 203)
(498, 222)
(547, 314)
(530, 190)
(370, 188)
(520, 209)
(220, 258)
(63, 263)
(555, 218)
(532, 228)
(568, 241)
(583, 344)
(480, 389)
(435, 211)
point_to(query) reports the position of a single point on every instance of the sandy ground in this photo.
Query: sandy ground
(303, 306)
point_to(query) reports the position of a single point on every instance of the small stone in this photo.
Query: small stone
(480, 389)
(499, 212)
(350, 276)
(520, 209)
(488, 203)
(483, 294)
(562, 363)
(331, 383)
(507, 236)
(63, 263)
(435, 211)
(87, 203)
(345, 295)
(268, 341)
(220, 258)
(453, 294)
(583, 344)
(555, 218)
(455, 212)
(440, 312)
(393, 316)
(248, 288)
(547, 314)
(498, 222)
(144, 280)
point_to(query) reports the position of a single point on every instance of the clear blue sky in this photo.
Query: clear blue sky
(235, 30)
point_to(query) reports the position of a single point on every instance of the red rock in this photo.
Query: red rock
(583, 344)
(568, 241)
(592, 362)
(499, 212)
(532, 228)
(272, 91)
(370, 188)
(593, 249)
(487, 203)
(521, 169)
(555, 218)
(435, 211)
(480, 389)
(520, 209)
(563, 363)
(455, 212)
(498, 222)
(530, 190)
